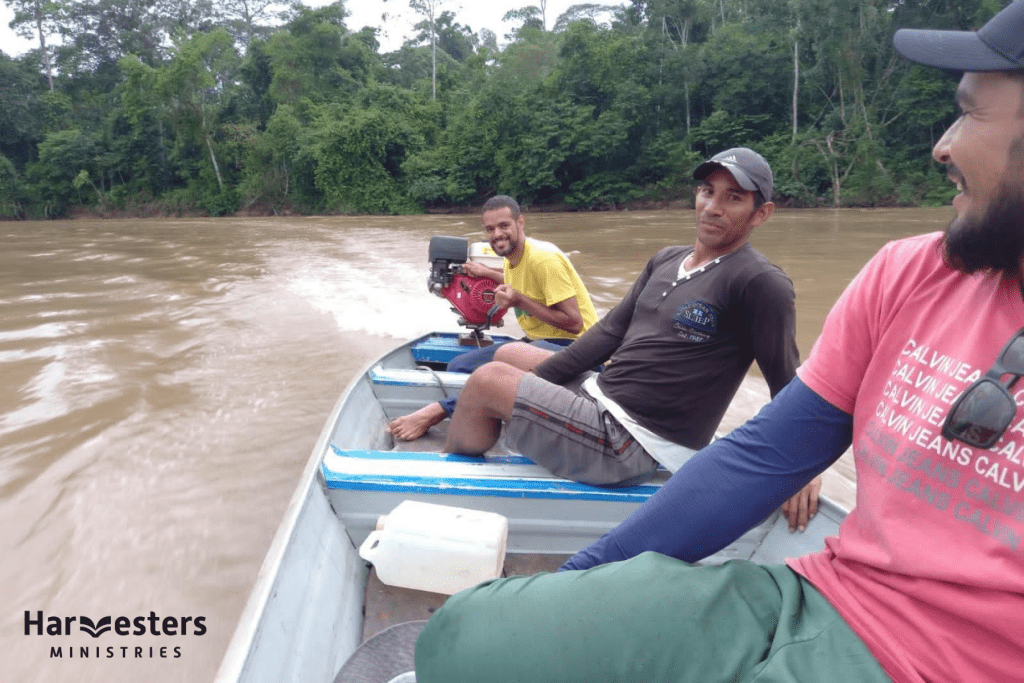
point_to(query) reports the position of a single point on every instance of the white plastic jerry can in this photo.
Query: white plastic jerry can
(436, 548)
(481, 252)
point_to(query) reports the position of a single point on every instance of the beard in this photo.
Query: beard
(993, 242)
(510, 246)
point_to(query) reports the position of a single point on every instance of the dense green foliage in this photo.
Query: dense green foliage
(177, 106)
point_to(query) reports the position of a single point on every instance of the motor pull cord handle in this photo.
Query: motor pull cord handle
(490, 315)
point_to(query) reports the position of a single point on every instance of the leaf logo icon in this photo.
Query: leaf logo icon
(95, 630)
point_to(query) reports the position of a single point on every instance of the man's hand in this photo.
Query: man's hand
(474, 269)
(803, 506)
(505, 296)
(565, 315)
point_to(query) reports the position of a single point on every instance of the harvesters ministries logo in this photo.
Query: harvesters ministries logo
(109, 637)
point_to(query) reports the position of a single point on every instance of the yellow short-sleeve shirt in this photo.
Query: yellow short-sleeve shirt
(546, 275)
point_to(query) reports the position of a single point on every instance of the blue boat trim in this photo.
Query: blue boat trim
(426, 456)
(501, 488)
(435, 457)
(385, 379)
(506, 487)
(442, 347)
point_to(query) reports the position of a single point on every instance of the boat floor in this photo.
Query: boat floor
(386, 605)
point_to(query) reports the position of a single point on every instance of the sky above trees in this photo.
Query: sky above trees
(393, 32)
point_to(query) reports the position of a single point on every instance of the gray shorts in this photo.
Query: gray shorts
(565, 430)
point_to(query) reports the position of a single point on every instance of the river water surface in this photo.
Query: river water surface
(162, 383)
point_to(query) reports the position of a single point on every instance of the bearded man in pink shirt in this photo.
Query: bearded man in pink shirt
(917, 367)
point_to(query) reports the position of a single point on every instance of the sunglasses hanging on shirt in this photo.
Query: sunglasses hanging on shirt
(981, 414)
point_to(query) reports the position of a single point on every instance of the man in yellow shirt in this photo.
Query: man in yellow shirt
(539, 281)
(551, 303)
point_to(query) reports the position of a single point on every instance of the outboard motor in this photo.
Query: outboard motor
(471, 297)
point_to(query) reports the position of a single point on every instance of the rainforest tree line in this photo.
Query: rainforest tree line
(222, 106)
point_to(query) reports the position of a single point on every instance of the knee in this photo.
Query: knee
(491, 378)
(523, 356)
(508, 352)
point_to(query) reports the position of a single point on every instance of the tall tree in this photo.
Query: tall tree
(97, 33)
(359, 150)
(530, 17)
(191, 86)
(38, 18)
(458, 41)
(856, 76)
(247, 19)
(316, 59)
(21, 109)
(428, 9)
(588, 10)
(677, 28)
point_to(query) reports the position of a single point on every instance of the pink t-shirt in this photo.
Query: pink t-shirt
(928, 569)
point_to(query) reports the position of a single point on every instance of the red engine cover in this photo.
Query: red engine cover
(472, 297)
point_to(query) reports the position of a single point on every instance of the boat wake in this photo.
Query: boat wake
(372, 292)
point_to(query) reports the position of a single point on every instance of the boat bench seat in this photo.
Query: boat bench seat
(504, 476)
(441, 347)
(403, 389)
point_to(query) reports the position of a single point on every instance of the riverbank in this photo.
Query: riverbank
(156, 209)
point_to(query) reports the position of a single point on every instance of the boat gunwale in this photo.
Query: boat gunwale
(239, 648)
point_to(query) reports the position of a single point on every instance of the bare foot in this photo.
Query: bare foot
(414, 425)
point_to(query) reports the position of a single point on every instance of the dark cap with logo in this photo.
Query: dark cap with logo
(748, 167)
(997, 46)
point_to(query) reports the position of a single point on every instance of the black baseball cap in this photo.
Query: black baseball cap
(997, 46)
(748, 167)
